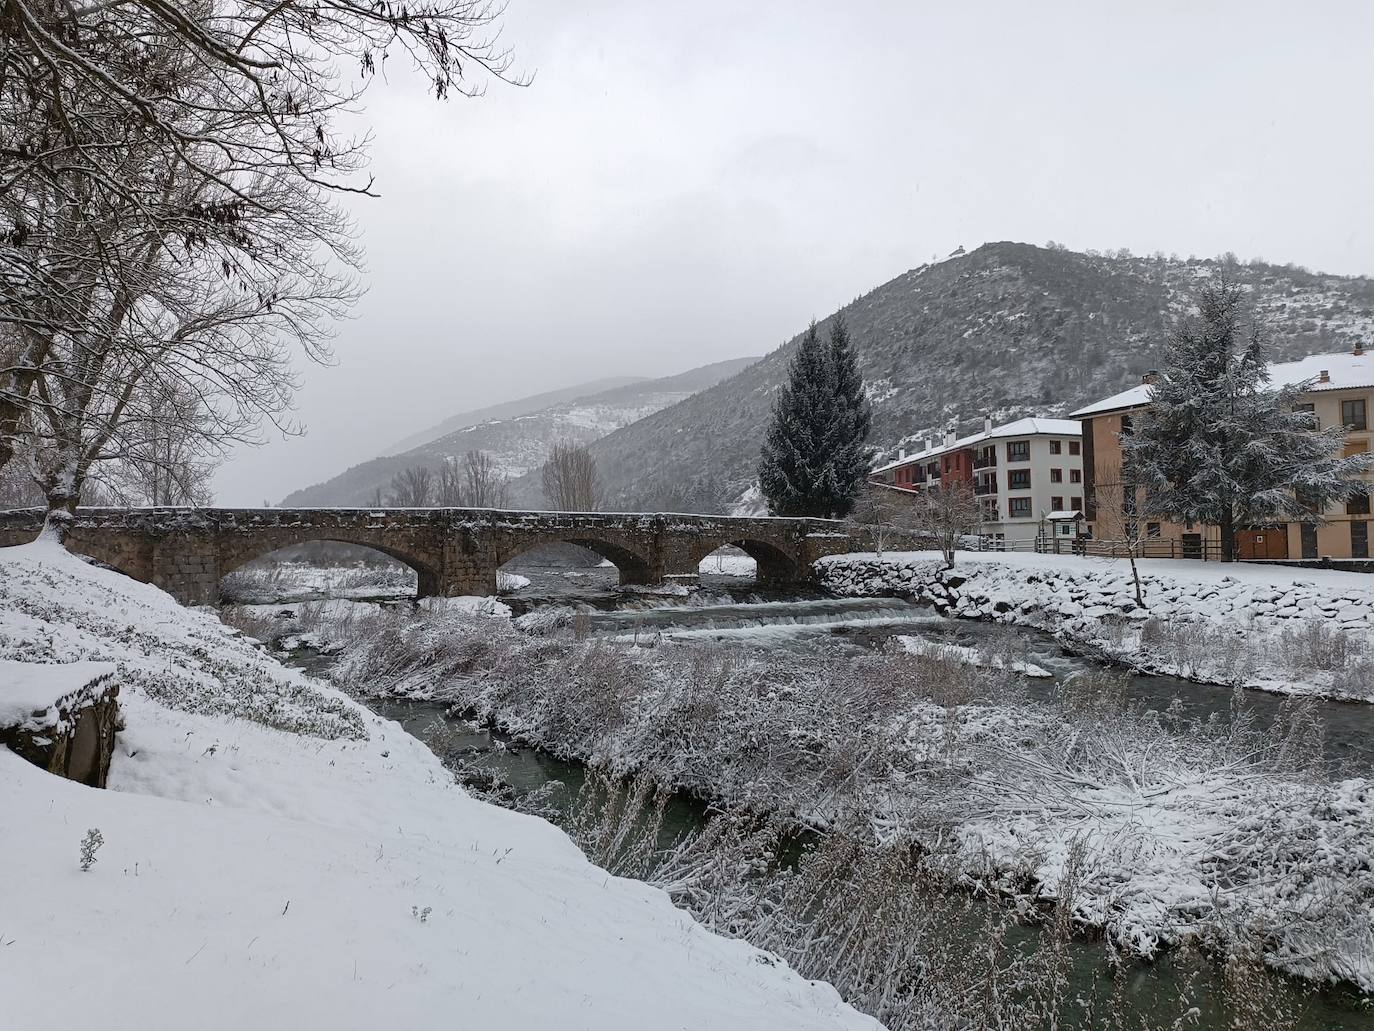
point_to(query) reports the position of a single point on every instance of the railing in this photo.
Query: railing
(985, 463)
(1152, 547)
(985, 488)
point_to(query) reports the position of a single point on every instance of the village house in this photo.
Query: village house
(1027, 474)
(1340, 391)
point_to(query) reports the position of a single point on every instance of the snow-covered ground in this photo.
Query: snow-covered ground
(276, 856)
(1290, 630)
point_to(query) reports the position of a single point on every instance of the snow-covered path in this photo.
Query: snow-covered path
(326, 873)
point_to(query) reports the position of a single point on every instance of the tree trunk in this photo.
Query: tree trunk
(1228, 537)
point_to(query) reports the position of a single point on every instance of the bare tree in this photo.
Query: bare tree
(412, 488)
(483, 484)
(1117, 519)
(571, 482)
(948, 513)
(136, 134)
(448, 485)
(168, 454)
(883, 513)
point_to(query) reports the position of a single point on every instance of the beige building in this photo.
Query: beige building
(1341, 392)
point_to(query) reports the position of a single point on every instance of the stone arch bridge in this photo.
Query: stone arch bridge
(185, 551)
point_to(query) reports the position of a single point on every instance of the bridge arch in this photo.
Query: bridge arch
(240, 551)
(774, 564)
(634, 567)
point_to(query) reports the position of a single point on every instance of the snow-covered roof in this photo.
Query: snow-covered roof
(1028, 427)
(1344, 370)
(1060, 515)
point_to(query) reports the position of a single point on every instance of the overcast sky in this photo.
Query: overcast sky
(684, 183)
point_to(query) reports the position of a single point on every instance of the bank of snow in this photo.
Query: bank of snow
(276, 856)
(1291, 630)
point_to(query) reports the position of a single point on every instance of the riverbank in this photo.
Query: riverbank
(1173, 832)
(1290, 631)
(277, 856)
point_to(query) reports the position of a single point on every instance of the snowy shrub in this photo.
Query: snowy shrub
(1315, 645)
(90, 845)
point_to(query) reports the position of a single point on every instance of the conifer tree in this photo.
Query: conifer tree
(849, 453)
(813, 461)
(1217, 445)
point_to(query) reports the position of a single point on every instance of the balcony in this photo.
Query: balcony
(986, 487)
(988, 462)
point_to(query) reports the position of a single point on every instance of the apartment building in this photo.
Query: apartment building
(1340, 391)
(1028, 475)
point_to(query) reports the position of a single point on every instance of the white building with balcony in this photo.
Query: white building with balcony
(1022, 472)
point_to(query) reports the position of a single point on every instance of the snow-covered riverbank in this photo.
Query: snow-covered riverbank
(1172, 831)
(276, 856)
(1290, 630)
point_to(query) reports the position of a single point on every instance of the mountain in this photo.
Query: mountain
(511, 410)
(1007, 330)
(519, 440)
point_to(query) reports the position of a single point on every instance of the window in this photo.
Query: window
(1056, 447)
(1076, 504)
(1127, 426)
(1018, 451)
(989, 511)
(1073, 447)
(1308, 500)
(1152, 531)
(1359, 540)
(1057, 504)
(1056, 475)
(1018, 479)
(1075, 475)
(1019, 508)
(1353, 414)
(1358, 505)
(1311, 410)
(1065, 529)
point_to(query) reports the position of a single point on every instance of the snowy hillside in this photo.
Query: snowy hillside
(275, 856)
(1006, 330)
(520, 442)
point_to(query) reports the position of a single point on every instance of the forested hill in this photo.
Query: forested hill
(1006, 330)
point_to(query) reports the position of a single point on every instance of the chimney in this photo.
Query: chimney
(1324, 376)
(1150, 378)
(949, 438)
(987, 424)
(1359, 348)
(901, 453)
(929, 443)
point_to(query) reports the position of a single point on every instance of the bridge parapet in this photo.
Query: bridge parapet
(453, 550)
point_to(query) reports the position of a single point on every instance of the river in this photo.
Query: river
(731, 610)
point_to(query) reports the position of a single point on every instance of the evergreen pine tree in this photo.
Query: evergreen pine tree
(1217, 445)
(849, 453)
(813, 461)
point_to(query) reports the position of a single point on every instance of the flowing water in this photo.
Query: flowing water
(735, 611)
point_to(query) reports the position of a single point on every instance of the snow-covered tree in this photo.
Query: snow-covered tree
(1218, 445)
(814, 461)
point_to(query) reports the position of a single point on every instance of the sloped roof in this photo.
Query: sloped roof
(1344, 369)
(1019, 428)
